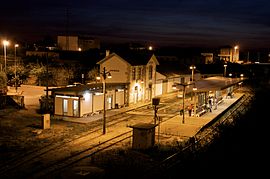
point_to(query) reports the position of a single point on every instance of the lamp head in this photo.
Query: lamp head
(109, 75)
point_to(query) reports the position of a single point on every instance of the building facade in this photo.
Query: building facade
(229, 54)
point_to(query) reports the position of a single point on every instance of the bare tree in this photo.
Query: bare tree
(92, 74)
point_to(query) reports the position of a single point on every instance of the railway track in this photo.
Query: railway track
(202, 139)
(44, 161)
(30, 156)
(88, 152)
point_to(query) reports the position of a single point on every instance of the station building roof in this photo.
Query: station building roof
(216, 83)
(211, 84)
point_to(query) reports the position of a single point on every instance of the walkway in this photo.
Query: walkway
(173, 126)
(192, 125)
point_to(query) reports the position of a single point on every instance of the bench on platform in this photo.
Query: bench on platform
(200, 113)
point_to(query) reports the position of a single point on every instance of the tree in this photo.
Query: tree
(92, 74)
(22, 74)
(39, 71)
(3, 82)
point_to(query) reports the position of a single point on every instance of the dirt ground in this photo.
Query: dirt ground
(21, 131)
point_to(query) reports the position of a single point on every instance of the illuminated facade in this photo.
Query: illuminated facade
(139, 73)
(229, 54)
(85, 100)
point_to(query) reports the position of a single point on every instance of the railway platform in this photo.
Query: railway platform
(174, 126)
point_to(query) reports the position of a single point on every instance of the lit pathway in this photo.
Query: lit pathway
(192, 125)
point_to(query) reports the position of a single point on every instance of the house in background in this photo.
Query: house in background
(207, 58)
(229, 54)
(77, 43)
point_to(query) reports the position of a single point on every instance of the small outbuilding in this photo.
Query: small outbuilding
(84, 100)
(143, 135)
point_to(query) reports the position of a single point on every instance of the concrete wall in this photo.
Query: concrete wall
(86, 105)
(116, 63)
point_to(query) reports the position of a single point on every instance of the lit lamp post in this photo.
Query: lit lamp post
(5, 43)
(15, 59)
(195, 101)
(184, 92)
(192, 67)
(225, 66)
(235, 48)
(104, 74)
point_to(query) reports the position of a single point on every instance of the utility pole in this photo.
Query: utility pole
(104, 75)
(47, 84)
(184, 85)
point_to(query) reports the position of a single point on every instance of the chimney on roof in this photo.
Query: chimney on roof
(107, 53)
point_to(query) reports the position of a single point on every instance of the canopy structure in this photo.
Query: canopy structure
(216, 83)
(210, 84)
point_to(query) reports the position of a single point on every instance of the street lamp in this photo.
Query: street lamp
(195, 101)
(5, 43)
(225, 65)
(104, 74)
(184, 92)
(15, 59)
(235, 48)
(192, 67)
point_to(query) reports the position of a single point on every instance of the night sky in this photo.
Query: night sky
(200, 23)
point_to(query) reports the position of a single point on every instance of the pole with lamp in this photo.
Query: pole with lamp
(184, 85)
(192, 67)
(15, 59)
(225, 66)
(195, 100)
(5, 43)
(104, 74)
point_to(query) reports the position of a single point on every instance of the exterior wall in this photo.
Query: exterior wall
(120, 99)
(137, 84)
(170, 83)
(116, 63)
(86, 105)
(89, 103)
(208, 58)
(136, 92)
(158, 87)
(150, 89)
(97, 103)
(68, 43)
(230, 54)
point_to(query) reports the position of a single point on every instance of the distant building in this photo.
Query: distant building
(77, 43)
(229, 54)
(208, 58)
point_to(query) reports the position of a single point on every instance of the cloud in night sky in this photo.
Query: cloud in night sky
(175, 22)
